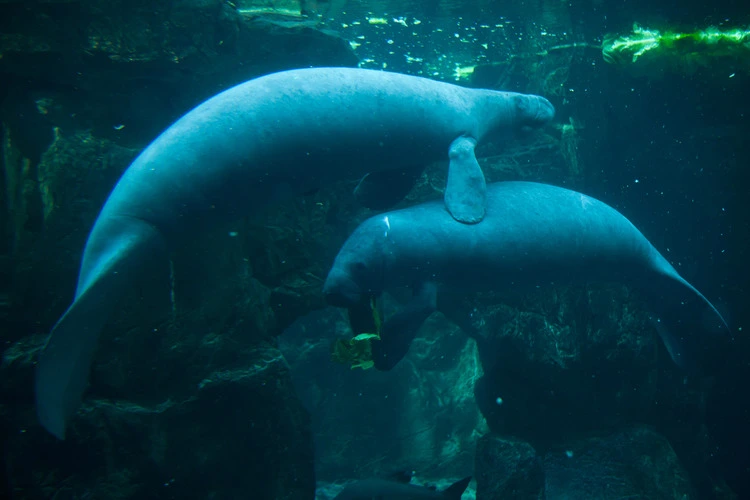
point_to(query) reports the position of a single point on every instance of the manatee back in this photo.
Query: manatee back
(531, 231)
(558, 221)
(290, 132)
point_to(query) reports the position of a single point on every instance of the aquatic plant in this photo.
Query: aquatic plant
(357, 351)
(696, 48)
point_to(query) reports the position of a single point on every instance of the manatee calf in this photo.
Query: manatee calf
(533, 234)
(282, 134)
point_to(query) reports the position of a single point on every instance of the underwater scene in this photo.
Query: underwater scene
(338, 249)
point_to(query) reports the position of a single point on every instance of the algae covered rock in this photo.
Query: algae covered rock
(233, 432)
(508, 468)
(634, 462)
(419, 416)
(582, 353)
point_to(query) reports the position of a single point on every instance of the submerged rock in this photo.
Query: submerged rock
(507, 468)
(635, 463)
(238, 431)
(632, 463)
(420, 416)
(583, 354)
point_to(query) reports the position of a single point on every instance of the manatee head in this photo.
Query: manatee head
(358, 271)
(502, 115)
(532, 111)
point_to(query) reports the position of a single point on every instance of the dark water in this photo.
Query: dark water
(189, 396)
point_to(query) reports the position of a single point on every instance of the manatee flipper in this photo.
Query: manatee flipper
(695, 334)
(382, 190)
(114, 257)
(399, 330)
(466, 191)
(456, 490)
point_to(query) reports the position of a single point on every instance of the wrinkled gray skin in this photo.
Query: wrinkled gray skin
(276, 136)
(381, 489)
(533, 234)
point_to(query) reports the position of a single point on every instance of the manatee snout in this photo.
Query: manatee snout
(533, 111)
(339, 290)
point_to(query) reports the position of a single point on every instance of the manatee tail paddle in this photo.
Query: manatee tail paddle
(114, 257)
(692, 329)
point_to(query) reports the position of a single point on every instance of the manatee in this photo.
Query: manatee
(532, 235)
(279, 135)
